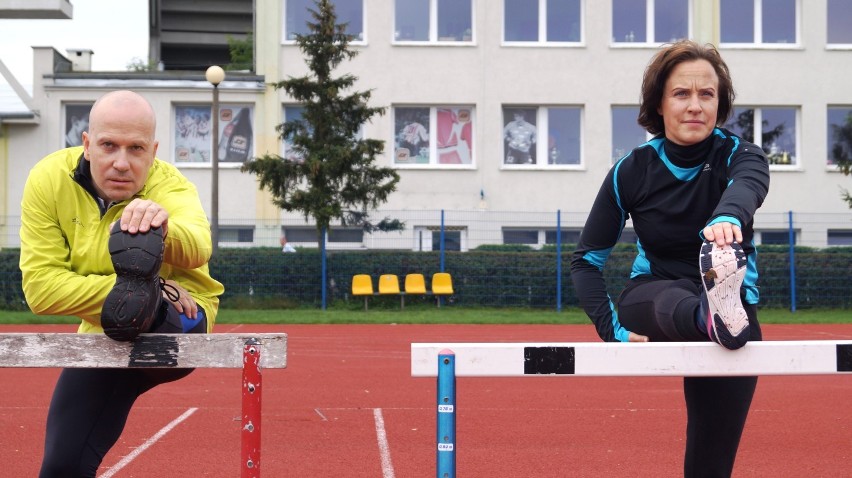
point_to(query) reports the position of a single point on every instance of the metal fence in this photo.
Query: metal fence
(496, 258)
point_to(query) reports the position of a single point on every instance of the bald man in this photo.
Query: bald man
(118, 238)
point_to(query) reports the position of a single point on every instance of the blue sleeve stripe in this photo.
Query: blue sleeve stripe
(621, 334)
(615, 185)
(734, 149)
(730, 219)
(750, 280)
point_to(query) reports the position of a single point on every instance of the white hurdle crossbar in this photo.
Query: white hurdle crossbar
(250, 352)
(804, 357)
(450, 360)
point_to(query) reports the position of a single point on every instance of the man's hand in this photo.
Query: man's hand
(143, 214)
(184, 304)
(723, 233)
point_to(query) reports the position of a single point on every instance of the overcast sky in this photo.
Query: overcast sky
(116, 30)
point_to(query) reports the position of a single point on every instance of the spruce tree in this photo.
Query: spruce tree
(332, 177)
(841, 152)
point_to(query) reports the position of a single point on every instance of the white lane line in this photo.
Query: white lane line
(384, 449)
(160, 434)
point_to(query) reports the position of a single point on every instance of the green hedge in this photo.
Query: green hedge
(493, 277)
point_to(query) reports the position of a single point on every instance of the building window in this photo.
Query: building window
(759, 22)
(839, 237)
(520, 236)
(626, 132)
(649, 21)
(542, 21)
(539, 237)
(839, 134)
(433, 136)
(193, 139)
(433, 21)
(346, 234)
(239, 234)
(300, 234)
(773, 128)
(428, 238)
(837, 22)
(541, 136)
(288, 151)
(769, 238)
(76, 122)
(297, 16)
(335, 234)
(569, 236)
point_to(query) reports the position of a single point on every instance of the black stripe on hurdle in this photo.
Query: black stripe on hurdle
(548, 360)
(844, 357)
(154, 351)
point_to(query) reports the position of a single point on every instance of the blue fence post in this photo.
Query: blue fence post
(442, 241)
(559, 260)
(792, 240)
(324, 271)
(441, 298)
(446, 466)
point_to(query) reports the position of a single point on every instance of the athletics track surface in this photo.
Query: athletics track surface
(346, 406)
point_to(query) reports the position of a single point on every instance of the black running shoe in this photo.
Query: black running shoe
(722, 273)
(134, 301)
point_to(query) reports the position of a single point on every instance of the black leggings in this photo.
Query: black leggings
(90, 407)
(716, 407)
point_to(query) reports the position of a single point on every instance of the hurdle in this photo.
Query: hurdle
(250, 352)
(601, 359)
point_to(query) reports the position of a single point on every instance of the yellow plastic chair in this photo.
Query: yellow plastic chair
(442, 284)
(415, 284)
(362, 284)
(389, 285)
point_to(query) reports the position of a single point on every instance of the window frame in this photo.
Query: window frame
(358, 40)
(757, 30)
(542, 29)
(828, 44)
(424, 244)
(434, 156)
(831, 166)
(648, 136)
(542, 124)
(176, 144)
(796, 163)
(434, 39)
(70, 130)
(650, 26)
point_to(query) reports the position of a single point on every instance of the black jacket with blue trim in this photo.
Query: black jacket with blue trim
(671, 193)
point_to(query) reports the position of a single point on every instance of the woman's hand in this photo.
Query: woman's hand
(723, 233)
(636, 338)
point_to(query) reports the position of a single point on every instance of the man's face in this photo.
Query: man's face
(121, 149)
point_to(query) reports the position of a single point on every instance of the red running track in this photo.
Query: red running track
(346, 406)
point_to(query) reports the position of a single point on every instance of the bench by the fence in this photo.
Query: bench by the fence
(250, 352)
(449, 360)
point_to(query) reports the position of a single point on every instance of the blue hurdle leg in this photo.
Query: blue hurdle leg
(446, 414)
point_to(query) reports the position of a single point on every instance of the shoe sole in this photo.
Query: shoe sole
(722, 272)
(131, 305)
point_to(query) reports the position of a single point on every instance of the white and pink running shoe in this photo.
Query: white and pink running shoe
(722, 273)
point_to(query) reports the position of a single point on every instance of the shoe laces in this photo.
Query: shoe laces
(171, 291)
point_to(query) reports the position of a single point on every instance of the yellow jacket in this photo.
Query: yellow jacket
(65, 261)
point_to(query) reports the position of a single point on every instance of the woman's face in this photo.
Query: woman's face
(690, 102)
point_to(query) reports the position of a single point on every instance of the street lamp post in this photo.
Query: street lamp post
(215, 75)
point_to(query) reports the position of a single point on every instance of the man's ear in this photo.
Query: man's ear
(86, 144)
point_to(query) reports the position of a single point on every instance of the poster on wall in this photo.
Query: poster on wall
(76, 122)
(193, 138)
